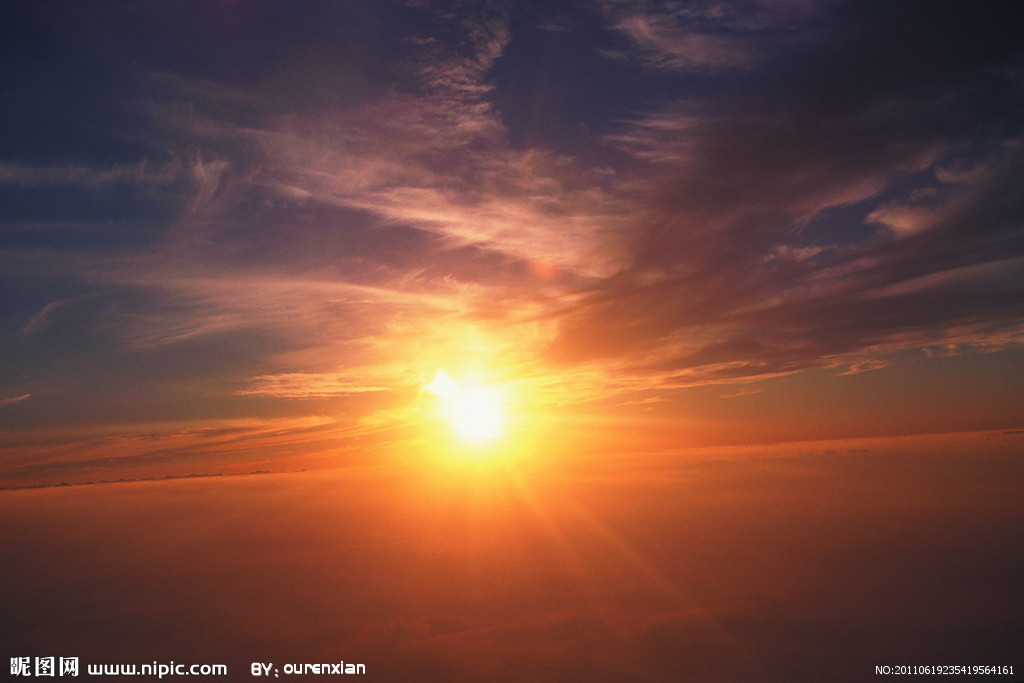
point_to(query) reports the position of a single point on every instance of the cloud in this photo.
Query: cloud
(141, 173)
(864, 366)
(773, 551)
(675, 49)
(120, 451)
(10, 400)
(757, 250)
(305, 385)
(742, 392)
(707, 36)
(401, 160)
(43, 318)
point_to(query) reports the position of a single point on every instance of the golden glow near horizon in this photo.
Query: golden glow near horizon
(475, 411)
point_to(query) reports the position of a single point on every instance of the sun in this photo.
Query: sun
(475, 411)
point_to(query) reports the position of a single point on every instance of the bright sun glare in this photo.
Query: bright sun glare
(476, 412)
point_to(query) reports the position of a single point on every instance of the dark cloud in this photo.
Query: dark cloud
(725, 246)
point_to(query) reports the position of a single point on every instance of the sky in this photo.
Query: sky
(270, 226)
(743, 283)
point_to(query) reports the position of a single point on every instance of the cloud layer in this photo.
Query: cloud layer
(827, 563)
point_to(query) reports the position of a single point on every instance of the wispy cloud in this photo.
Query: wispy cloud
(671, 47)
(742, 392)
(708, 36)
(140, 173)
(43, 318)
(306, 385)
(865, 366)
